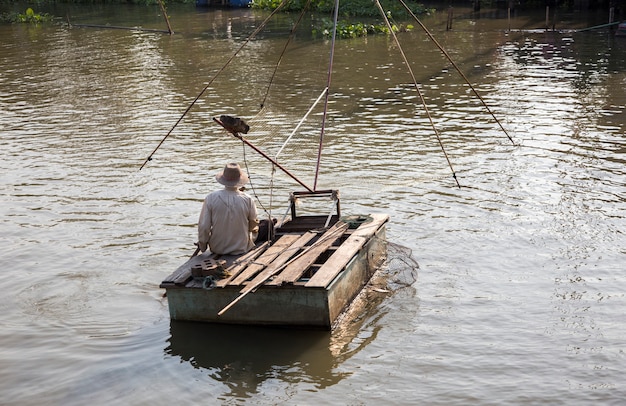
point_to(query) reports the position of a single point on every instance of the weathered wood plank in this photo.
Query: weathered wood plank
(176, 275)
(337, 262)
(182, 275)
(335, 232)
(294, 270)
(265, 259)
(240, 263)
(284, 257)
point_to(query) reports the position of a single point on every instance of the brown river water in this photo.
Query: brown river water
(520, 293)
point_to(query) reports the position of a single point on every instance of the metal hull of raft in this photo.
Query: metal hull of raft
(313, 277)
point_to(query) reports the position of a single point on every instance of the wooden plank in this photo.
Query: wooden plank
(338, 261)
(335, 232)
(265, 259)
(305, 223)
(284, 257)
(171, 279)
(183, 278)
(240, 263)
(182, 275)
(296, 269)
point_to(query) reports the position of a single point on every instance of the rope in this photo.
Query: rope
(254, 193)
(208, 283)
(406, 62)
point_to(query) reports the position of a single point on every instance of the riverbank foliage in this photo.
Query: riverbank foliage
(358, 17)
(351, 12)
(347, 8)
(29, 16)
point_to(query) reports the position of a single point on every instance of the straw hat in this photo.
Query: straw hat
(232, 175)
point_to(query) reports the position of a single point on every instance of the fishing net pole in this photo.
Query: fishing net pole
(328, 80)
(282, 54)
(432, 38)
(250, 37)
(406, 62)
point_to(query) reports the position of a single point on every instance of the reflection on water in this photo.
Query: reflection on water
(521, 275)
(245, 358)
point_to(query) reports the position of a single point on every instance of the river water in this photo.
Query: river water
(520, 293)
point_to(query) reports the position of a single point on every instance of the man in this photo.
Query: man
(228, 221)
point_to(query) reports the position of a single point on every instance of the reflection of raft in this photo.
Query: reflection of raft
(306, 277)
(621, 30)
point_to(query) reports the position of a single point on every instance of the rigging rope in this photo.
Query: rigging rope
(406, 62)
(245, 162)
(250, 37)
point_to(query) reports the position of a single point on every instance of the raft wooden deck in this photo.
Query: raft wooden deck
(306, 277)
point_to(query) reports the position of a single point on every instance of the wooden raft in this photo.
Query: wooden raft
(312, 259)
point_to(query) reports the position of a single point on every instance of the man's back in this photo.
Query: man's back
(226, 219)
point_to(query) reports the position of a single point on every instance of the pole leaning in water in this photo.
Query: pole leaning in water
(445, 53)
(250, 37)
(419, 92)
(167, 19)
(328, 80)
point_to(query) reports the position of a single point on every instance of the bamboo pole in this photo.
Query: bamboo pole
(456, 67)
(167, 19)
(598, 26)
(419, 92)
(509, 18)
(449, 22)
(232, 57)
(111, 27)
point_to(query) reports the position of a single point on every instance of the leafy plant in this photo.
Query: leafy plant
(346, 29)
(349, 10)
(29, 17)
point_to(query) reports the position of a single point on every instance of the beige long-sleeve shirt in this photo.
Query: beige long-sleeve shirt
(227, 223)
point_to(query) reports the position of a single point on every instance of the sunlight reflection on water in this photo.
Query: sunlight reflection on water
(520, 269)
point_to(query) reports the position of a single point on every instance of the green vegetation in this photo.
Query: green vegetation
(352, 13)
(29, 17)
(346, 29)
(349, 10)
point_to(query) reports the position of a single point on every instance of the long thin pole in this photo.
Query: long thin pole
(328, 80)
(457, 69)
(406, 62)
(598, 26)
(114, 27)
(264, 155)
(292, 34)
(167, 19)
(250, 37)
(301, 122)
